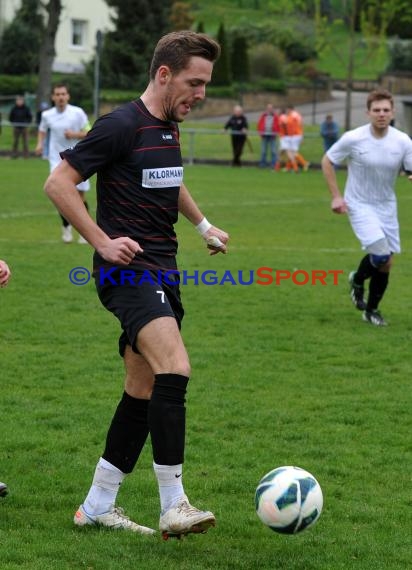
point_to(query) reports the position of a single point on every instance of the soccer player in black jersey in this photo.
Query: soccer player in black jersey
(135, 152)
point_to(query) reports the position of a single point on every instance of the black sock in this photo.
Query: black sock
(127, 433)
(365, 270)
(377, 287)
(65, 222)
(167, 418)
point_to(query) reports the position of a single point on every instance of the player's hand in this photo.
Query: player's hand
(339, 205)
(5, 273)
(216, 240)
(120, 251)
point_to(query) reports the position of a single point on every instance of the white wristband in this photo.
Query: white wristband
(203, 227)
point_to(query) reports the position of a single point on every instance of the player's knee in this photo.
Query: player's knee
(379, 260)
(184, 368)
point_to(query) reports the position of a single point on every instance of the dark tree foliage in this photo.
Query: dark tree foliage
(180, 16)
(221, 71)
(128, 49)
(21, 39)
(401, 56)
(400, 24)
(240, 60)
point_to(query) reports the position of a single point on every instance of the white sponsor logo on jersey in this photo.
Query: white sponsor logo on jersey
(162, 177)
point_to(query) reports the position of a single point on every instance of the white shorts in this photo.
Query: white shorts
(371, 223)
(286, 143)
(296, 142)
(81, 187)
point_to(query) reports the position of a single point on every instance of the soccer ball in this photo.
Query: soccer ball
(288, 500)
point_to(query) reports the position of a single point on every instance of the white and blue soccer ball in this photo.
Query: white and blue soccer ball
(288, 500)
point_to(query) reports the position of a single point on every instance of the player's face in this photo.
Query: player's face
(186, 88)
(380, 114)
(60, 98)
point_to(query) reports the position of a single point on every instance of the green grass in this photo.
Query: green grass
(281, 375)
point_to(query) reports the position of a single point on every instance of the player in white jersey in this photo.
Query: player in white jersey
(375, 154)
(66, 124)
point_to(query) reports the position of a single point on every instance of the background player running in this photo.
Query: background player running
(62, 127)
(375, 153)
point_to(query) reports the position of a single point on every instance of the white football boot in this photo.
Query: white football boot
(67, 235)
(114, 519)
(183, 519)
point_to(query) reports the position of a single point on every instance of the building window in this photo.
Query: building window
(79, 33)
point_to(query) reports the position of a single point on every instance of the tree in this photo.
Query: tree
(47, 50)
(400, 56)
(221, 71)
(180, 17)
(373, 18)
(266, 61)
(127, 50)
(20, 43)
(239, 60)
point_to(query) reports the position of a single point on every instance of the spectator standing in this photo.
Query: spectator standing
(20, 116)
(268, 128)
(238, 126)
(329, 131)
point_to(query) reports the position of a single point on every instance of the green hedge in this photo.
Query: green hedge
(17, 84)
(81, 88)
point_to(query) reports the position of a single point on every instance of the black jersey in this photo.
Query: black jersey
(139, 170)
(236, 123)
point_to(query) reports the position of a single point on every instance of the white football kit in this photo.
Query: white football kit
(57, 122)
(373, 166)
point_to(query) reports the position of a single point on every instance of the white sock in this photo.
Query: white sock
(169, 478)
(105, 486)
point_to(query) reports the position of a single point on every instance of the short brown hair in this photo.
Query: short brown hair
(177, 48)
(60, 85)
(379, 95)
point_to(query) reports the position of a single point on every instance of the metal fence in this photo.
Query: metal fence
(199, 145)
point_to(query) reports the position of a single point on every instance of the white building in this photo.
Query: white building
(76, 37)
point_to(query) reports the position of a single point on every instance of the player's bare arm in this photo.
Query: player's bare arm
(338, 204)
(215, 238)
(78, 135)
(61, 188)
(40, 142)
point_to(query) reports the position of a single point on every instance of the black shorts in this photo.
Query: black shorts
(137, 304)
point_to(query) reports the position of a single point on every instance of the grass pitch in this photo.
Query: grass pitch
(282, 375)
